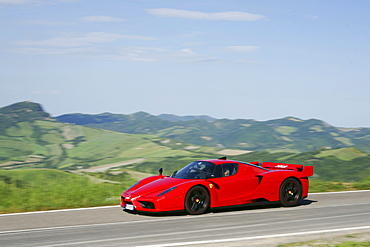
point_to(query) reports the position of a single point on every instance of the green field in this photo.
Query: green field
(50, 144)
(346, 154)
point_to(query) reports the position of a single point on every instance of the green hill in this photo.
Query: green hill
(36, 140)
(21, 112)
(288, 134)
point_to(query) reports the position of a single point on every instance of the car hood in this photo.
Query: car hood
(155, 186)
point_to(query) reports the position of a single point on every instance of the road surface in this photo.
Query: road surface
(319, 215)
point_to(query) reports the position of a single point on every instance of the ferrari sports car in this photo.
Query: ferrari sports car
(208, 184)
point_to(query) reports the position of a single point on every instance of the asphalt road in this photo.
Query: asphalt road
(319, 215)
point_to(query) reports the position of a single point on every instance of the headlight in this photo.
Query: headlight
(166, 191)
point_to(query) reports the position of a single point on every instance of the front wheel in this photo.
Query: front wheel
(290, 192)
(196, 200)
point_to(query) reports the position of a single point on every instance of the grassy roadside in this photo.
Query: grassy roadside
(348, 240)
(34, 190)
(327, 186)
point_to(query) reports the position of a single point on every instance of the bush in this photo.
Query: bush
(325, 186)
(363, 185)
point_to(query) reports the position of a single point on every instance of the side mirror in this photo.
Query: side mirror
(209, 175)
(160, 171)
(173, 174)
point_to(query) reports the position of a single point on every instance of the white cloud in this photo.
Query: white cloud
(51, 92)
(243, 48)
(188, 52)
(131, 53)
(32, 2)
(16, 2)
(139, 54)
(138, 49)
(313, 17)
(192, 34)
(63, 51)
(66, 1)
(153, 54)
(87, 46)
(102, 18)
(87, 39)
(198, 15)
(42, 23)
(192, 44)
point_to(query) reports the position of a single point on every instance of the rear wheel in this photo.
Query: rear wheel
(196, 200)
(290, 192)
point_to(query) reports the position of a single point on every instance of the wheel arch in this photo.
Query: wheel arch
(209, 206)
(283, 184)
(212, 196)
(206, 188)
(293, 177)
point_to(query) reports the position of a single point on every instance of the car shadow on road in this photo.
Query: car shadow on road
(246, 207)
(304, 202)
(260, 205)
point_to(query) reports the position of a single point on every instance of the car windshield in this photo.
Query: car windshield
(195, 170)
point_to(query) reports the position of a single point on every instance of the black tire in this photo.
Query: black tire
(290, 192)
(196, 200)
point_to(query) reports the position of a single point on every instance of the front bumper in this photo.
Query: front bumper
(150, 204)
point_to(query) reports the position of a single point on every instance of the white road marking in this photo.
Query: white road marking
(177, 233)
(269, 210)
(59, 210)
(338, 192)
(258, 237)
(209, 241)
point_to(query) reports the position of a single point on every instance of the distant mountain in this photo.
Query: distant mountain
(287, 134)
(175, 118)
(21, 112)
(137, 123)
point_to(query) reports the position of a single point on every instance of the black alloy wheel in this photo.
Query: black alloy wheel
(197, 200)
(290, 192)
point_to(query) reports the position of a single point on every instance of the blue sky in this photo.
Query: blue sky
(250, 59)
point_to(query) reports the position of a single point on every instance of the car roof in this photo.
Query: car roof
(225, 161)
(220, 161)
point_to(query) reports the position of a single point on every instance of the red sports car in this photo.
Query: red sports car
(208, 184)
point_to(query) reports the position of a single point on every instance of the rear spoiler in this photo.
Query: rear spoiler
(306, 170)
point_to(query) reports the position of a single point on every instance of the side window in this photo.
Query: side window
(218, 171)
(229, 169)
